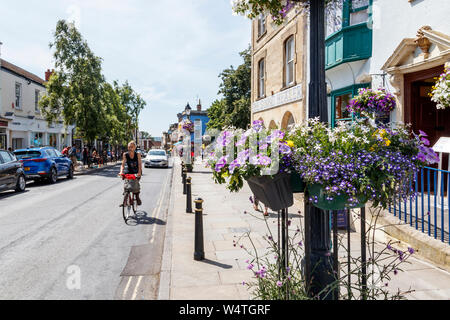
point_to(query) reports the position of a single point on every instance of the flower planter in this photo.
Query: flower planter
(338, 203)
(274, 191)
(297, 183)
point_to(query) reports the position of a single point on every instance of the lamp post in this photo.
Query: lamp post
(318, 258)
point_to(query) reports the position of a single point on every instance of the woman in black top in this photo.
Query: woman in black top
(133, 163)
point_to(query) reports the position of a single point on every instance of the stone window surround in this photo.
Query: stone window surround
(287, 34)
(261, 56)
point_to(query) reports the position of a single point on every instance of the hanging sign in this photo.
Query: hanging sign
(443, 145)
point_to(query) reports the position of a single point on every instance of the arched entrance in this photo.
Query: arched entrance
(273, 125)
(288, 121)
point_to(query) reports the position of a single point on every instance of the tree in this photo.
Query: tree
(74, 90)
(145, 135)
(234, 108)
(133, 104)
(116, 115)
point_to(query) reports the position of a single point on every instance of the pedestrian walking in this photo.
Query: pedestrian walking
(85, 157)
(256, 206)
(73, 156)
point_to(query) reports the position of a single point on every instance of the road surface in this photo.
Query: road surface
(69, 240)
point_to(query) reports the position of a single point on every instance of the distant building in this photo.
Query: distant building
(21, 123)
(198, 117)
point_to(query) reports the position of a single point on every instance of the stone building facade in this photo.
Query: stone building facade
(279, 70)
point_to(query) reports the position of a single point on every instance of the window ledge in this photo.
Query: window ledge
(288, 86)
(261, 36)
(260, 98)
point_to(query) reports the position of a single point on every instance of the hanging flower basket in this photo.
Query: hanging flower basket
(274, 191)
(372, 103)
(297, 183)
(323, 201)
(441, 91)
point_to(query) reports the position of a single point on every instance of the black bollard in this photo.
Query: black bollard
(188, 195)
(199, 253)
(183, 167)
(184, 181)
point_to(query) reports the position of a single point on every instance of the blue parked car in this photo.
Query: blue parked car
(44, 163)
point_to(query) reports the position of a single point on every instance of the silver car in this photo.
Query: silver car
(156, 158)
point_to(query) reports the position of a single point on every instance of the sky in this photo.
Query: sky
(170, 51)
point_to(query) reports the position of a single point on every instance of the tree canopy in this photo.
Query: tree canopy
(234, 108)
(78, 93)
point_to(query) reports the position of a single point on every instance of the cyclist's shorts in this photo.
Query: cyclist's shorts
(132, 186)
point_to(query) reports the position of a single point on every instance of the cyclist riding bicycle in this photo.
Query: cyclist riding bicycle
(133, 162)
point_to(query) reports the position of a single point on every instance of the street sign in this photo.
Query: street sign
(443, 145)
(342, 219)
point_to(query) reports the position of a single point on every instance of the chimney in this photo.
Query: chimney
(199, 106)
(48, 74)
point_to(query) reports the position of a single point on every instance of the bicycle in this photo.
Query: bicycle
(129, 199)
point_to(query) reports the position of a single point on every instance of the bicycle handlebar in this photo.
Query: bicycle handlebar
(128, 176)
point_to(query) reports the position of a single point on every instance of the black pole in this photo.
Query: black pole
(199, 253)
(335, 251)
(349, 277)
(188, 195)
(184, 181)
(318, 264)
(363, 254)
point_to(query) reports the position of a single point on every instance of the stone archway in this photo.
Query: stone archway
(273, 125)
(288, 120)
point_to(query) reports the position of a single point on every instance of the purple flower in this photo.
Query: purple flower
(221, 164)
(251, 199)
(423, 133)
(279, 284)
(250, 266)
(411, 250)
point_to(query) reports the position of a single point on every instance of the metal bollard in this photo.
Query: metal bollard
(184, 181)
(199, 253)
(188, 195)
(183, 167)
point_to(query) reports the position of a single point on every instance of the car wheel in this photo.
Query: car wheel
(53, 176)
(70, 175)
(21, 184)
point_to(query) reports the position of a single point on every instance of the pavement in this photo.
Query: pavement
(68, 241)
(227, 216)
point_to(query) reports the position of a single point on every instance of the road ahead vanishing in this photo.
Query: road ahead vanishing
(69, 240)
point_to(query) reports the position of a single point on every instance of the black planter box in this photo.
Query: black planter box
(274, 191)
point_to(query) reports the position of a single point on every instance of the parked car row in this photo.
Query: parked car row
(32, 164)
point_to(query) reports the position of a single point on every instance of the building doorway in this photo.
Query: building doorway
(3, 140)
(421, 112)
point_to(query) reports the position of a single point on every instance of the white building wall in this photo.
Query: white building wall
(395, 20)
(26, 120)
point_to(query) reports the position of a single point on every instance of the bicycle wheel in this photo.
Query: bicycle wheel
(127, 206)
(133, 203)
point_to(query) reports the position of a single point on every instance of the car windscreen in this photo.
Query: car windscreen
(157, 153)
(27, 154)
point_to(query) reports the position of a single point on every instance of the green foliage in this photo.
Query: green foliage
(78, 93)
(74, 91)
(233, 110)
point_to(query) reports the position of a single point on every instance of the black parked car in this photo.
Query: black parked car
(12, 176)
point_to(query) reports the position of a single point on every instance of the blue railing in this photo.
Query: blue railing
(429, 211)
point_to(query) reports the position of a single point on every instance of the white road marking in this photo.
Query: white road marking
(159, 208)
(136, 288)
(126, 288)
